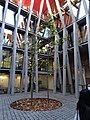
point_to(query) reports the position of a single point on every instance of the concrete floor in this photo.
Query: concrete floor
(66, 112)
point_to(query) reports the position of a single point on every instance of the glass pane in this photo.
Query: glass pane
(6, 60)
(8, 38)
(19, 61)
(1, 8)
(10, 17)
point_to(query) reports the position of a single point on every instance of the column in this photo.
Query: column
(65, 53)
(59, 71)
(75, 60)
(36, 48)
(2, 30)
(14, 47)
(64, 61)
(26, 45)
(76, 50)
(22, 74)
(69, 75)
(55, 66)
(55, 47)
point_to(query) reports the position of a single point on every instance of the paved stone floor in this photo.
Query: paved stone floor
(66, 112)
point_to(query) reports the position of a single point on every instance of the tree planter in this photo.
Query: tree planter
(36, 104)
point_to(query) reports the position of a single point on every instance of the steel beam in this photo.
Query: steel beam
(26, 45)
(14, 47)
(2, 30)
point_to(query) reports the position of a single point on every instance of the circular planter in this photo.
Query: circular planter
(36, 104)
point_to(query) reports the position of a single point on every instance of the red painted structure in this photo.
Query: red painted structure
(26, 3)
(36, 7)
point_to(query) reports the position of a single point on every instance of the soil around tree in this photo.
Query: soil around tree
(36, 104)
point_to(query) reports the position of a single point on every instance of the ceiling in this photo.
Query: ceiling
(36, 7)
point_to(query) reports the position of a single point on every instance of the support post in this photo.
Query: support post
(59, 71)
(88, 33)
(2, 30)
(36, 64)
(9, 84)
(64, 61)
(55, 66)
(36, 47)
(10, 79)
(80, 68)
(55, 47)
(65, 53)
(76, 49)
(26, 45)
(14, 48)
(69, 75)
(75, 60)
(22, 75)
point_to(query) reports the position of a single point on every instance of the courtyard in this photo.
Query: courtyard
(65, 112)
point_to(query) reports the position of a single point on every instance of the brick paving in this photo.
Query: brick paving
(66, 112)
